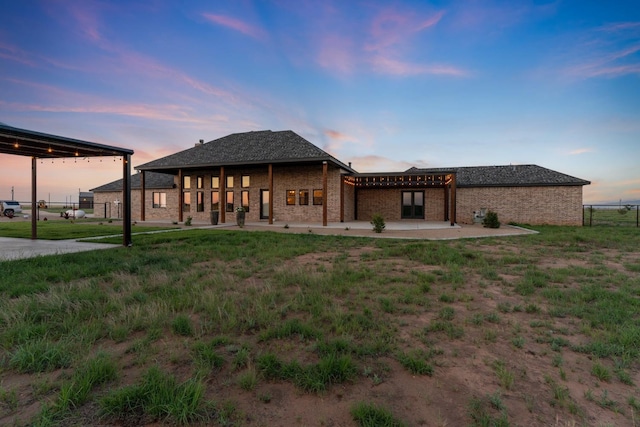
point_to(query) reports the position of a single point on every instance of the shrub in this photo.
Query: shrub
(188, 221)
(491, 220)
(378, 223)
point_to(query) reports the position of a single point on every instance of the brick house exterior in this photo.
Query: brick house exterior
(280, 176)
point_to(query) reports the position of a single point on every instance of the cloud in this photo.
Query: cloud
(236, 25)
(609, 51)
(581, 151)
(391, 66)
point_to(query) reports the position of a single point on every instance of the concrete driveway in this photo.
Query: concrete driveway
(27, 248)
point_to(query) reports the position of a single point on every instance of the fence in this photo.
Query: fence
(611, 215)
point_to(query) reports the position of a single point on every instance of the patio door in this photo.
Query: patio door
(412, 205)
(264, 204)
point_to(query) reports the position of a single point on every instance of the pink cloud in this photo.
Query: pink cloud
(336, 53)
(391, 27)
(387, 65)
(236, 25)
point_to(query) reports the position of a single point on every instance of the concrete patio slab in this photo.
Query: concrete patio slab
(26, 248)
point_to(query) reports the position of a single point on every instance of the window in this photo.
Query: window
(317, 197)
(245, 183)
(229, 201)
(200, 182)
(200, 201)
(291, 197)
(215, 182)
(186, 201)
(230, 182)
(215, 200)
(244, 197)
(186, 182)
(159, 200)
(304, 197)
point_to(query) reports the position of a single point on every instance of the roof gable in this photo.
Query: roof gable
(258, 147)
(507, 176)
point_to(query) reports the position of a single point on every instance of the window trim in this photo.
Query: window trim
(213, 207)
(242, 203)
(317, 200)
(159, 204)
(290, 198)
(228, 205)
(242, 178)
(303, 201)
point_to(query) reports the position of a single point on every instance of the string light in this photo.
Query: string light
(16, 145)
(50, 150)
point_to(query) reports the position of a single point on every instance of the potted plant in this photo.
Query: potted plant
(240, 216)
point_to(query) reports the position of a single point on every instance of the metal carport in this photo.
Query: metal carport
(37, 145)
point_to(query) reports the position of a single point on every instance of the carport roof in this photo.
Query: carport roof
(22, 142)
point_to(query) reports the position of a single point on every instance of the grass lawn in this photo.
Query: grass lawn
(60, 230)
(215, 327)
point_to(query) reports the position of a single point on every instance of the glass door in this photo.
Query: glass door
(264, 204)
(413, 205)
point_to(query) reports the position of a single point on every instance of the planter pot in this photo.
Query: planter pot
(215, 215)
(240, 218)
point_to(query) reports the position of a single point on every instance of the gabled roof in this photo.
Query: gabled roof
(506, 176)
(152, 180)
(259, 147)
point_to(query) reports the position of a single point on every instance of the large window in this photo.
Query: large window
(230, 181)
(246, 181)
(244, 199)
(317, 197)
(215, 182)
(303, 197)
(215, 200)
(200, 201)
(186, 201)
(291, 197)
(186, 182)
(229, 201)
(159, 200)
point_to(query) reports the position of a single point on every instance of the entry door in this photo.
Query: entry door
(413, 204)
(264, 204)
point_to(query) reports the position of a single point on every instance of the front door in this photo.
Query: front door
(413, 204)
(264, 204)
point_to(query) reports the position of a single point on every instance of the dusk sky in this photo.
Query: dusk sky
(385, 85)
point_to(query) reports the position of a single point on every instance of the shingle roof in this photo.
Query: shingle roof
(506, 176)
(152, 180)
(259, 147)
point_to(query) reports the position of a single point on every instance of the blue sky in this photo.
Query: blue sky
(385, 85)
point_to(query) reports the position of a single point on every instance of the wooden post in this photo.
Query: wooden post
(180, 195)
(142, 197)
(270, 178)
(223, 196)
(341, 198)
(34, 205)
(126, 200)
(453, 200)
(324, 193)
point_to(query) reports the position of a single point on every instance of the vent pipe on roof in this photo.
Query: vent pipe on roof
(200, 143)
(349, 164)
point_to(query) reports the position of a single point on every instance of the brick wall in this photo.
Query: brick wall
(388, 203)
(560, 205)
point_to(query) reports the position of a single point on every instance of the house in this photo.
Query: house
(280, 176)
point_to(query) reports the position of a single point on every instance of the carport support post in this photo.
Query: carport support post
(34, 196)
(454, 202)
(126, 200)
(324, 193)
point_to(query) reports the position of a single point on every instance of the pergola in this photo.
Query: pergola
(445, 179)
(37, 145)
